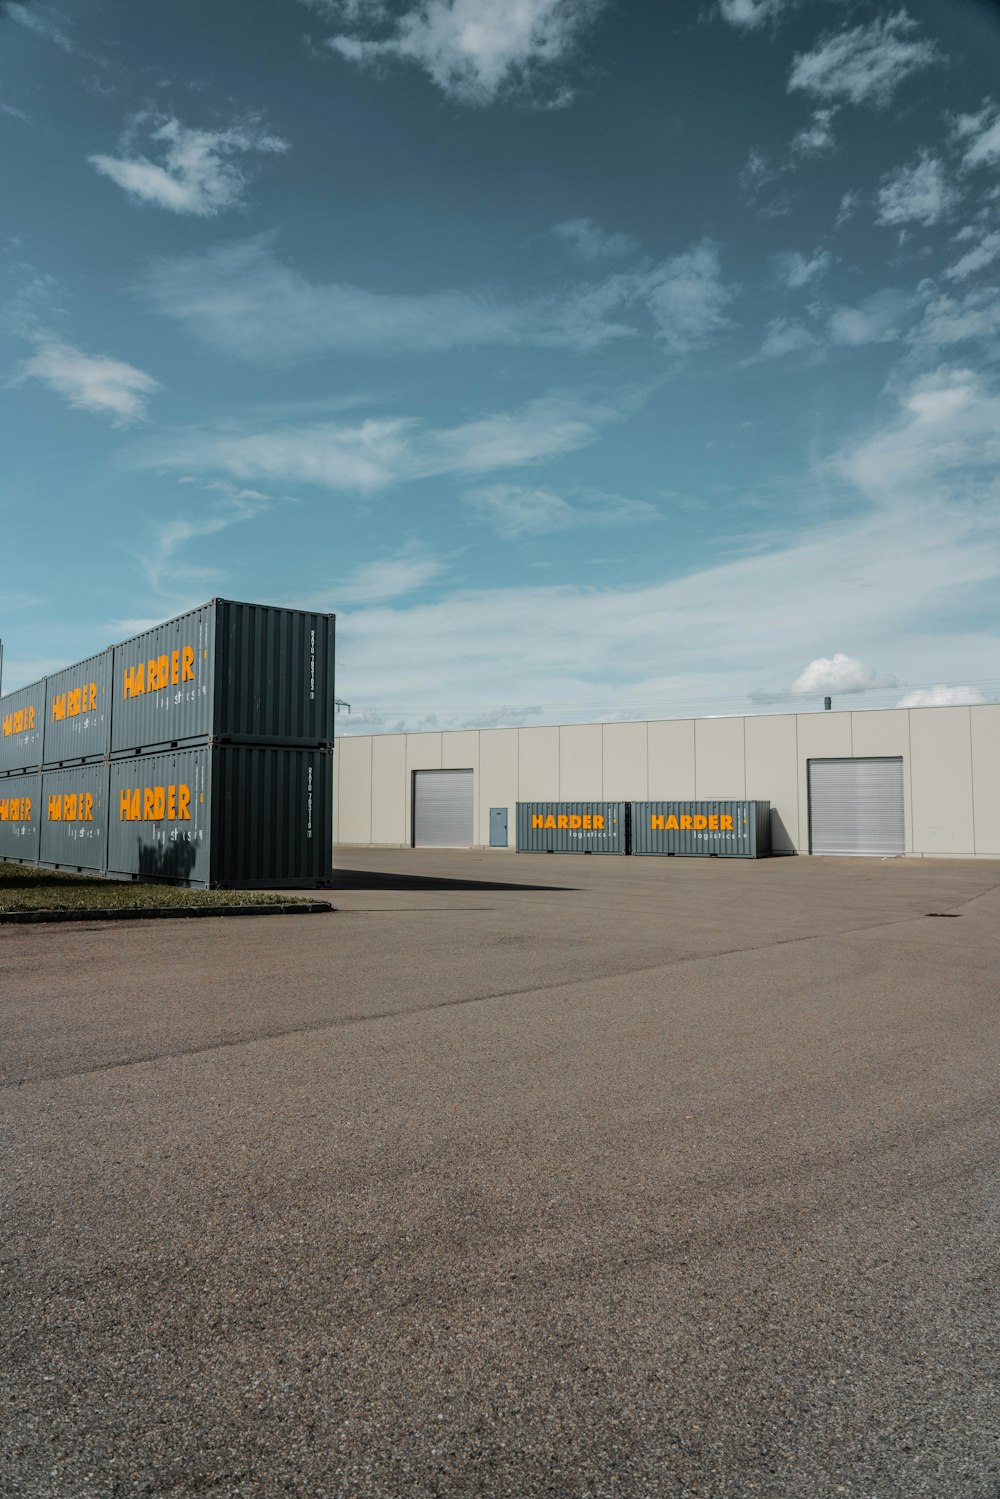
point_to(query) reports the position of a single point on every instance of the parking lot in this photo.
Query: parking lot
(517, 1175)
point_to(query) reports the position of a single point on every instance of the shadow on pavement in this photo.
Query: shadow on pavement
(372, 879)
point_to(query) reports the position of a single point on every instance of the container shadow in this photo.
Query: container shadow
(370, 879)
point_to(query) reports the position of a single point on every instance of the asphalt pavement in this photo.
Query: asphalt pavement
(514, 1176)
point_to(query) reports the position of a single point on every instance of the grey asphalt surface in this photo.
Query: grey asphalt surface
(517, 1175)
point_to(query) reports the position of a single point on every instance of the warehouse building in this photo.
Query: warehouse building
(884, 782)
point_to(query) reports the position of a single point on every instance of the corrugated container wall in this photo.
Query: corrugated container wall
(20, 812)
(572, 827)
(235, 815)
(74, 818)
(22, 721)
(725, 829)
(78, 712)
(238, 672)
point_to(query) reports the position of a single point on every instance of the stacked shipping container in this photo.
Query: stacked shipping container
(199, 753)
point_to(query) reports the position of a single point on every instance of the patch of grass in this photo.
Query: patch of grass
(25, 888)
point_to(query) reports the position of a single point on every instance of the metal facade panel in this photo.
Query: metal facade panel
(20, 817)
(572, 827)
(727, 829)
(231, 671)
(164, 684)
(856, 807)
(272, 816)
(443, 808)
(78, 712)
(22, 721)
(74, 818)
(159, 816)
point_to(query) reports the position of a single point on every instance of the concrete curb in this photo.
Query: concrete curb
(167, 913)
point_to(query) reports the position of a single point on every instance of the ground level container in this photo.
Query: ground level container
(22, 720)
(571, 827)
(20, 813)
(235, 672)
(727, 829)
(78, 713)
(224, 815)
(74, 819)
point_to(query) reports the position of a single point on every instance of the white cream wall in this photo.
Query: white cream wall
(951, 770)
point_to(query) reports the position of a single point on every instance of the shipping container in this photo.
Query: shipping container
(572, 827)
(725, 829)
(22, 720)
(78, 713)
(74, 818)
(240, 673)
(20, 813)
(223, 815)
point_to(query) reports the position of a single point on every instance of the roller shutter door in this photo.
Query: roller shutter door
(856, 807)
(443, 809)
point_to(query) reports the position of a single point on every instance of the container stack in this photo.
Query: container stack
(198, 753)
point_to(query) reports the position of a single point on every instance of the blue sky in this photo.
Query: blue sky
(589, 359)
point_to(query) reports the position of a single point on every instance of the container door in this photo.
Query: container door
(443, 809)
(856, 807)
(498, 827)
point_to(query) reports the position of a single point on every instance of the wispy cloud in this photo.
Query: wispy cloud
(403, 572)
(160, 561)
(43, 20)
(942, 696)
(863, 64)
(878, 319)
(592, 243)
(982, 132)
(90, 382)
(948, 320)
(749, 15)
(514, 510)
(982, 254)
(816, 138)
(372, 455)
(785, 336)
(198, 171)
(474, 50)
(241, 299)
(688, 297)
(795, 270)
(919, 194)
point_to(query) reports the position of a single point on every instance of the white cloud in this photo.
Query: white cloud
(474, 50)
(407, 570)
(863, 64)
(838, 673)
(160, 560)
(240, 298)
(43, 21)
(951, 320)
(795, 270)
(785, 337)
(590, 242)
(977, 259)
(849, 205)
(198, 172)
(749, 14)
(946, 433)
(376, 453)
(514, 510)
(916, 194)
(687, 297)
(941, 696)
(877, 319)
(816, 138)
(982, 130)
(91, 382)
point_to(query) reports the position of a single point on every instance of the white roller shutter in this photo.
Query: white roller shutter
(443, 809)
(856, 807)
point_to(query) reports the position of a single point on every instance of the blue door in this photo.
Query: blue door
(498, 827)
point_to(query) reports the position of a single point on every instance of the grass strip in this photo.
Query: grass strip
(26, 888)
